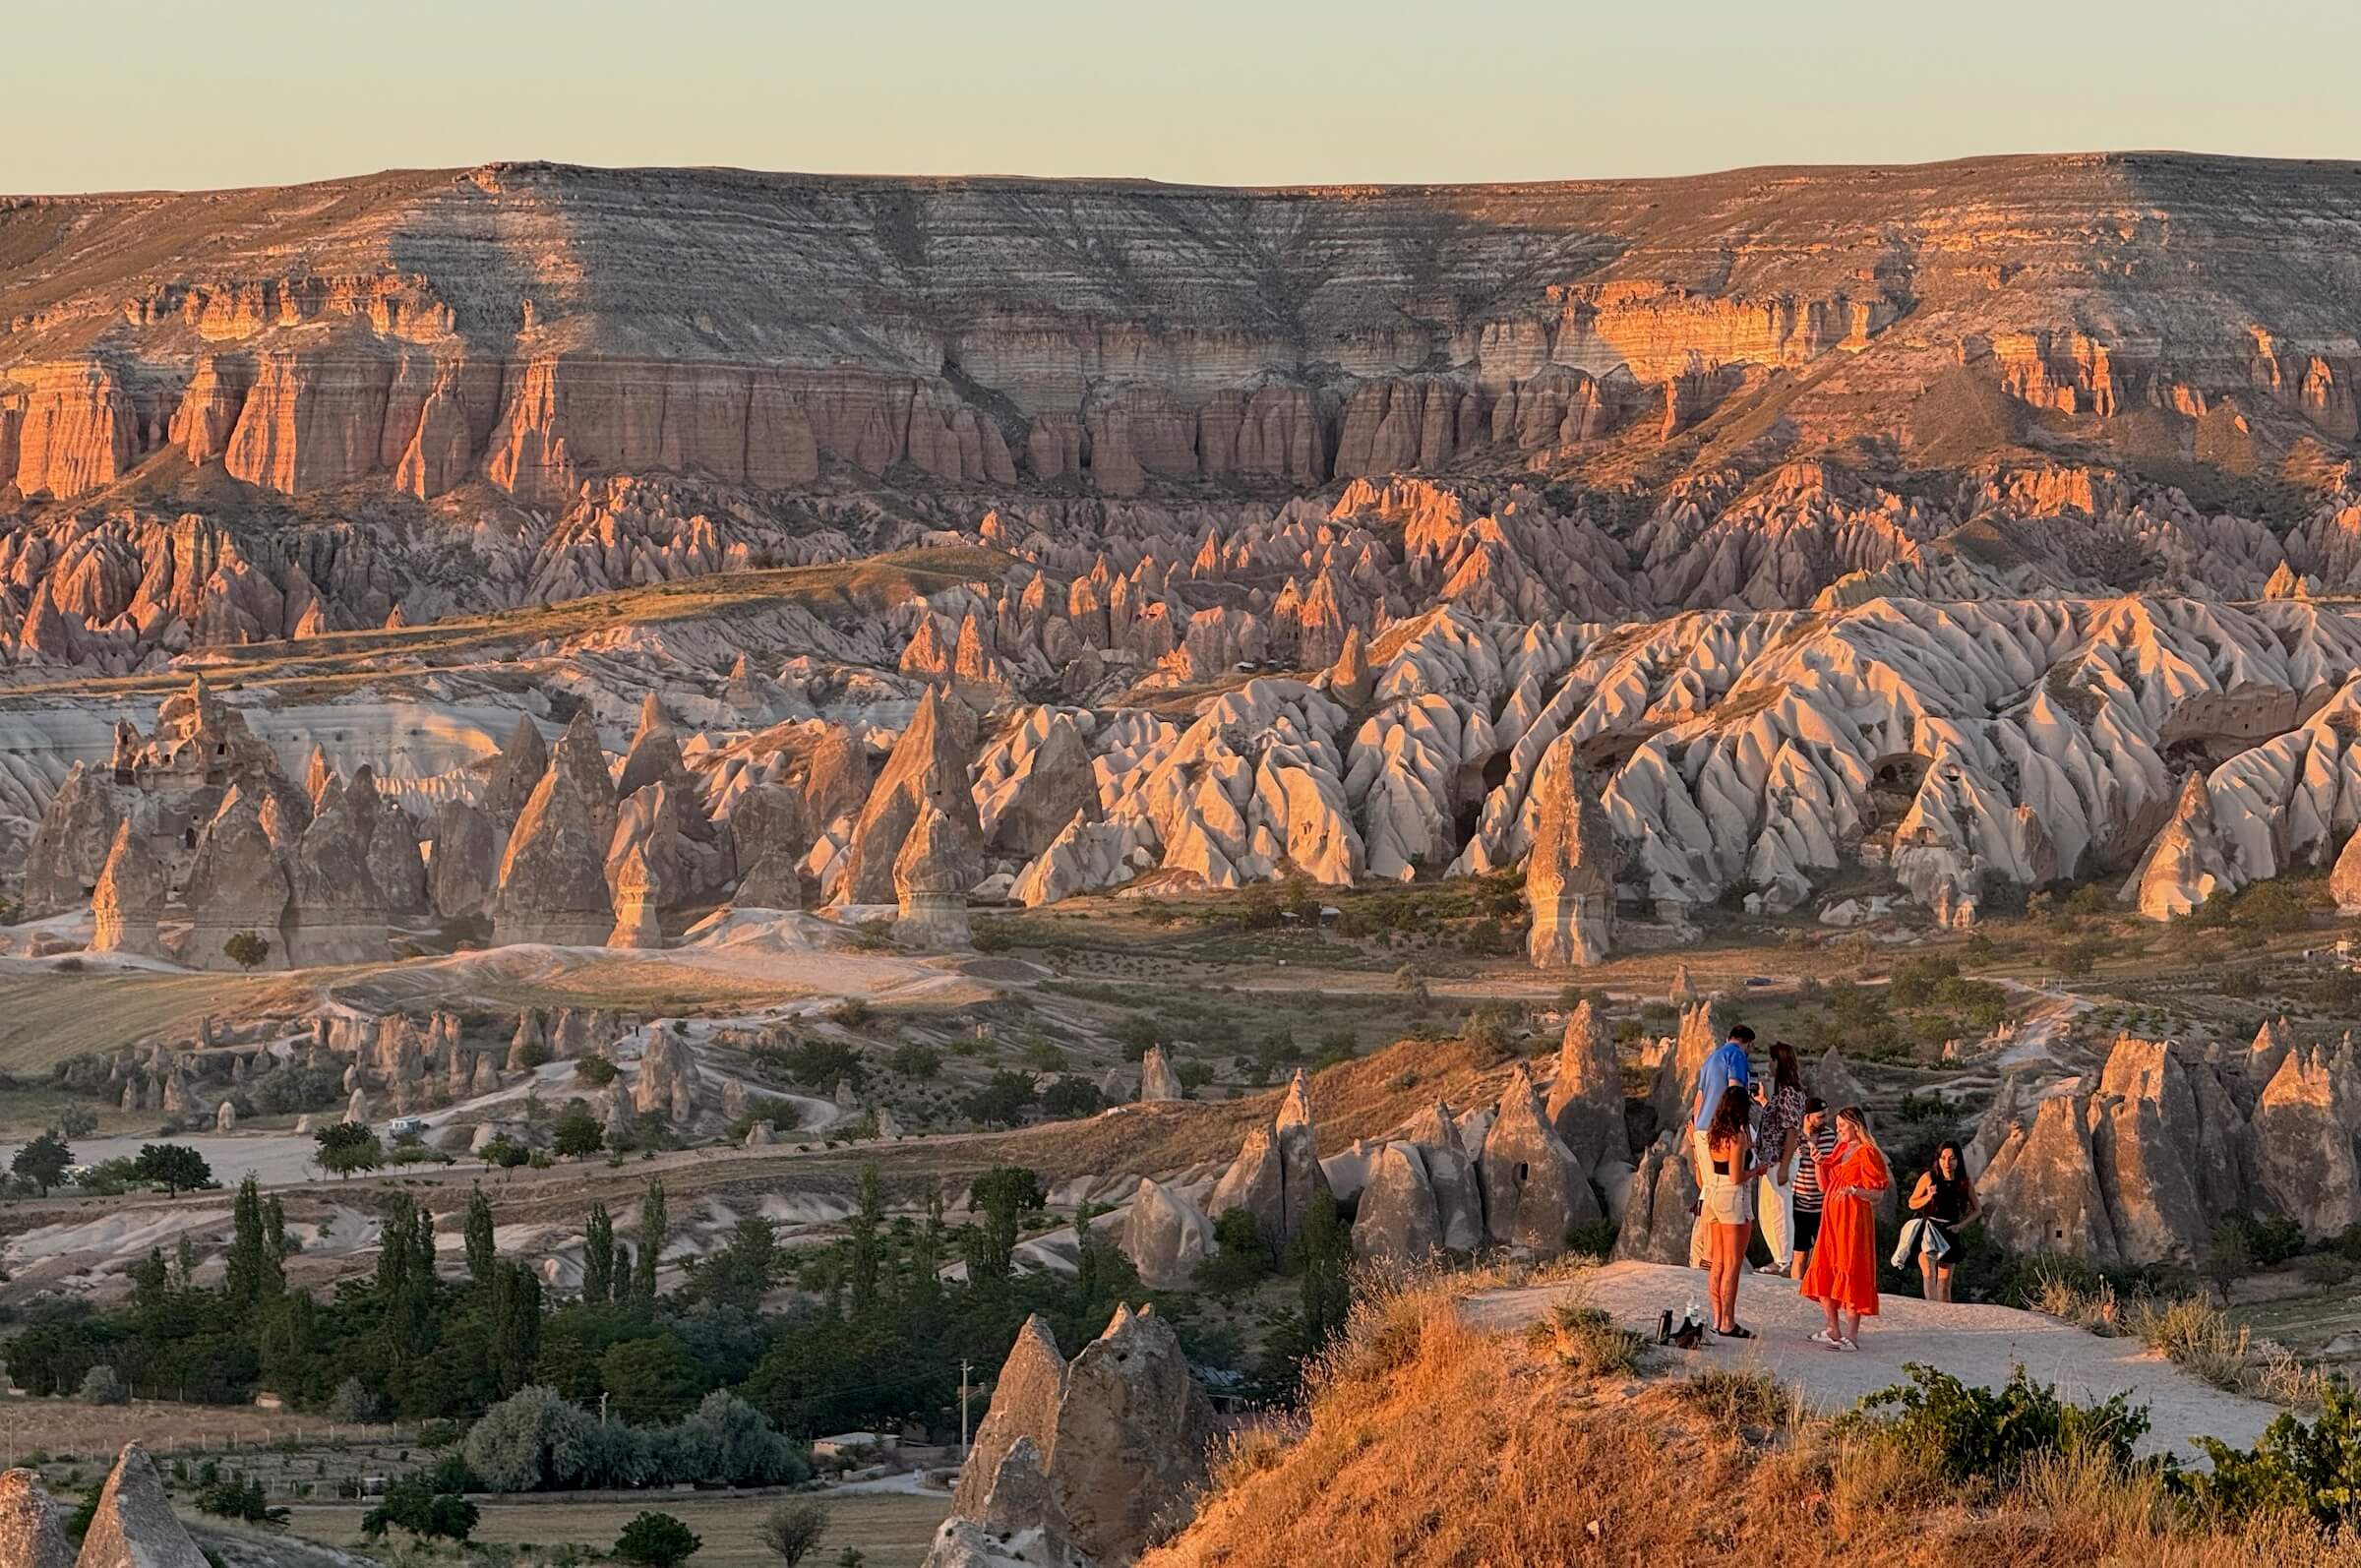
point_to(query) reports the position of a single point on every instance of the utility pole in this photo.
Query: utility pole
(602, 1407)
(964, 1366)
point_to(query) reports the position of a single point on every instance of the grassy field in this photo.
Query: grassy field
(890, 1530)
(47, 1015)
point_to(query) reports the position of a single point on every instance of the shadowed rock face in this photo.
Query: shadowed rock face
(553, 880)
(135, 1525)
(927, 769)
(1570, 879)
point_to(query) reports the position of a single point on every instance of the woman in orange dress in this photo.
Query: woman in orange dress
(1843, 1275)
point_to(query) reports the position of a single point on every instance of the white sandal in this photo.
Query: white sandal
(1849, 1345)
(1823, 1337)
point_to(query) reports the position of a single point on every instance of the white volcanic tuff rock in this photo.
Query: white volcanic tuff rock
(71, 844)
(1535, 1191)
(1448, 1149)
(768, 840)
(133, 1526)
(1586, 1095)
(30, 1537)
(1157, 1080)
(928, 768)
(237, 882)
(1277, 1175)
(1166, 1237)
(1036, 784)
(2305, 1157)
(2186, 864)
(553, 883)
(1119, 1436)
(633, 888)
(1252, 785)
(1399, 1223)
(1658, 1216)
(516, 771)
(931, 879)
(1570, 875)
(465, 860)
(339, 912)
(129, 899)
(2041, 1192)
(654, 758)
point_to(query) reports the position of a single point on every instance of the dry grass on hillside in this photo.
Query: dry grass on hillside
(1430, 1443)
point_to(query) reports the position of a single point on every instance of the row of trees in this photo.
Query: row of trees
(876, 1337)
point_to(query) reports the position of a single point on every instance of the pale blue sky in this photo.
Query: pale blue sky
(117, 94)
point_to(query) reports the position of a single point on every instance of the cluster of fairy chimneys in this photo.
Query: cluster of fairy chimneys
(1081, 1462)
(1521, 1175)
(2139, 1164)
(133, 1526)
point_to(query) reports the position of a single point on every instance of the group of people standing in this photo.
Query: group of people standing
(1767, 1153)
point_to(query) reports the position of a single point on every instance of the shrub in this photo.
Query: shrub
(2310, 1468)
(2193, 1332)
(1987, 1434)
(792, 1530)
(594, 1069)
(103, 1385)
(656, 1540)
(1072, 1097)
(1590, 1343)
(1738, 1397)
(226, 1497)
(414, 1503)
(915, 1060)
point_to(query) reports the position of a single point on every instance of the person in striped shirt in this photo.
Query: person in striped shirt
(1818, 1142)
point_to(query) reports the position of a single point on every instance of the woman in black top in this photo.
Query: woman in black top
(1946, 1199)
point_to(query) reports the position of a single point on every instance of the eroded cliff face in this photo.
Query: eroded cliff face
(535, 327)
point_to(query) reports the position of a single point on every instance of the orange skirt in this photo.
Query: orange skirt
(1844, 1266)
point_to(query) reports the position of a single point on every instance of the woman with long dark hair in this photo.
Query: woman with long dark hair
(1776, 1135)
(1943, 1200)
(1726, 1175)
(1843, 1273)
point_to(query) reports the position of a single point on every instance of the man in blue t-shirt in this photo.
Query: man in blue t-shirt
(1725, 1068)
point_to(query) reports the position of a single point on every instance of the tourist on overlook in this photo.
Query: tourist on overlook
(1727, 1171)
(1777, 1131)
(1843, 1275)
(1816, 1143)
(1943, 1200)
(1724, 1067)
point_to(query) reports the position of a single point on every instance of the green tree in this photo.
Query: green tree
(253, 1272)
(44, 1161)
(482, 1256)
(867, 1248)
(1004, 1195)
(1327, 1274)
(576, 1133)
(656, 1540)
(599, 1257)
(344, 1147)
(246, 949)
(174, 1166)
(506, 1152)
(741, 1273)
(653, 1225)
(413, 1504)
(652, 1380)
(1003, 1101)
(516, 1324)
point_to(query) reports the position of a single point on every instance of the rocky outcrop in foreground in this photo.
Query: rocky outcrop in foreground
(1084, 1463)
(135, 1525)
